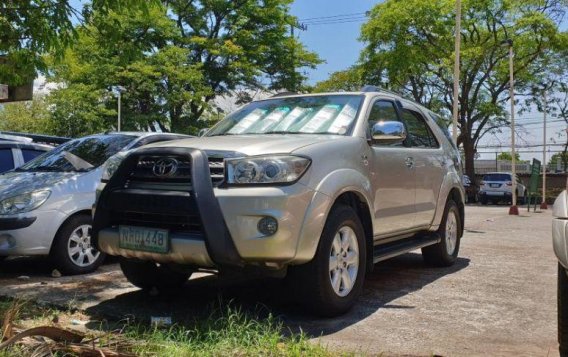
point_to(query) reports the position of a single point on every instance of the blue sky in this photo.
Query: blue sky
(335, 43)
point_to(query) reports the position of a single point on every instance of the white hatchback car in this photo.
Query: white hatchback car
(45, 205)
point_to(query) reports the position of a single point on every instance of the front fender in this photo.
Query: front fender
(330, 188)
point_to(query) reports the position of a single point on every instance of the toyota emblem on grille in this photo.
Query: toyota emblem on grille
(165, 167)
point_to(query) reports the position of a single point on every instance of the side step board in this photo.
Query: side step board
(392, 249)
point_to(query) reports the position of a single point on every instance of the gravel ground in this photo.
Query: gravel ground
(499, 299)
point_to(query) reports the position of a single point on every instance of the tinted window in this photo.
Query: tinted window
(6, 160)
(323, 114)
(497, 177)
(80, 154)
(419, 133)
(31, 154)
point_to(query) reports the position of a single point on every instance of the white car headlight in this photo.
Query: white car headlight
(273, 169)
(111, 165)
(23, 203)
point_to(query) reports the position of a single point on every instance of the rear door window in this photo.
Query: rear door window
(6, 160)
(30, 154)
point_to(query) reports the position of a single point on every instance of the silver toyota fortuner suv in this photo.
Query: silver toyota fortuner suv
(317, 188)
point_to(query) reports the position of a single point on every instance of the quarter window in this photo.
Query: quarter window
(6, 160)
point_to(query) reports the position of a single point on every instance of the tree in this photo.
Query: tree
(173, 59)
(508, 157)
(27, 117)
(410, 48)
(558, 157)
(31, 28)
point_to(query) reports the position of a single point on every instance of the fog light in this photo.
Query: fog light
(267, 225)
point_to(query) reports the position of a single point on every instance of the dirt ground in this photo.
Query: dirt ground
(499, 299)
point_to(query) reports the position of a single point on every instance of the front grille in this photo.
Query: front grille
(217, 170)
(185, 223)
(146, 171)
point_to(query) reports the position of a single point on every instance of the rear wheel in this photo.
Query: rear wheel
(72, 252)
(445, 252)
(332, 281)
(147, 275)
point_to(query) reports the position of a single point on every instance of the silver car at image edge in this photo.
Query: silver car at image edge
(45, 205)
(315, 188)
(560, 245)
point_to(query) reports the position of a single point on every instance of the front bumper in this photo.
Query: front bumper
(229, 218)
(30, 233)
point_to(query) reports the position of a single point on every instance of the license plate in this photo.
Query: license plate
(144, 239)
(495, 185)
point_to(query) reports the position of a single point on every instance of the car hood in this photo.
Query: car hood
(250, 144)
(15, 183)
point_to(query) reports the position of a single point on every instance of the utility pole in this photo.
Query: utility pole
(301, 27)
(119, 90)
(543, 204)
(513, 210)
(456, 73)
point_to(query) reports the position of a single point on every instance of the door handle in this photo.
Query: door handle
(409, 162)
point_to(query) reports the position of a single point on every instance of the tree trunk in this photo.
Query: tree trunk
(469, 153)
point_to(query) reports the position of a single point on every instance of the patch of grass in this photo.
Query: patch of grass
(226, 331)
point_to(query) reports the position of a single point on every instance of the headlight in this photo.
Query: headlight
(24, 203)
(277, 169)
(112, 164)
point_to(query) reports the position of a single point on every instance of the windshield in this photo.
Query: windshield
(79, 155)
(324, 114)
(497, 177)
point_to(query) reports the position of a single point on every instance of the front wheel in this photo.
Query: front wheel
(72, 252)
(332, 281)
(445, 252)
(147, 275)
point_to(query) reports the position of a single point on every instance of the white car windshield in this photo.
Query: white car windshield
(324, 114)
(79, 155)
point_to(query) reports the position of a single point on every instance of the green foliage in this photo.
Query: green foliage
(410, 48)
(508, 157)
(349, 80)
(558, 157)
(31, 28)
(26, 117)
(174, 58)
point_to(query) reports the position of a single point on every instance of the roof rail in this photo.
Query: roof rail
(370, 88)
(282, 94)
(38, 138)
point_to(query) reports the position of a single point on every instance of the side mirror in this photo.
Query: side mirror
(388, 132)
(202, 132)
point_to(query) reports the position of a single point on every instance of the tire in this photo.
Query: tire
(147, 275)
(313, 281)
(562, 299)
(445, 253)
(71, 251)
(483, 201)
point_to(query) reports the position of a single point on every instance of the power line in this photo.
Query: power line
(333, 16)
(336, 22)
